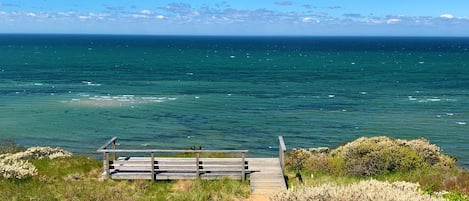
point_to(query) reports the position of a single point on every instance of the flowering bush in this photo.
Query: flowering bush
(39, 153)
(368, 190)
(15, 165)
(18, 169)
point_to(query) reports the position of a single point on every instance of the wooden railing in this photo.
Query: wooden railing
(241, 166)
(281, 152)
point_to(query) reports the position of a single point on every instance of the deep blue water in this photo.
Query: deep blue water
(77, 91)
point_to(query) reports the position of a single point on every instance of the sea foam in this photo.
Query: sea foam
(117, 100)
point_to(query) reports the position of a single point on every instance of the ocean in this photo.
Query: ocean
(176, 92)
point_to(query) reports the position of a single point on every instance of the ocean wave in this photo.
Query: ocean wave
(117, 100)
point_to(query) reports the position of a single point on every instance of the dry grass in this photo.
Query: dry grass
(369, 190)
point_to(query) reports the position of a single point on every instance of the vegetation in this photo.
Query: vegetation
(381, 158)
(79, 178)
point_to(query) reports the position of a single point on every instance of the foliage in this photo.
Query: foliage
(378, 155)
(9, 146)
(297, 159)
(365, 190)
(455, 196)
(15, 165)
(79, 178)
(385, 159)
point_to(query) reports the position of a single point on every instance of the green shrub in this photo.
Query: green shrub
(455, 196)
(378, 155)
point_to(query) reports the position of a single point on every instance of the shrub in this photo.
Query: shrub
(16, 169)
(377, 155)
(9, 146)
(15, 165)
(365, 190)
(371, 156)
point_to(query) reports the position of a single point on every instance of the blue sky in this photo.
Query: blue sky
(240, 17)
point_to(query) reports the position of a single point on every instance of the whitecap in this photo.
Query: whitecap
(90, 83)
(363, 92)
(411, 98)
(331, 95)
(433, 99)
(116, 100)
(461, 123)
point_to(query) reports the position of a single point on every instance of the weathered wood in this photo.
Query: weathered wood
(243, 167)
(152, 164)
(281, 149)
(197, 155)
(106, 165)
(100, 149)
(198, 166)
(269, 179)
(265, 174)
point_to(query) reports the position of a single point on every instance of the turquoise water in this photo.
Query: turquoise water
(78, 91)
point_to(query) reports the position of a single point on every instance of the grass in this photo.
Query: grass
(382, 159)
(79, 178)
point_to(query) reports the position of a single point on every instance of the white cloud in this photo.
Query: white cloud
(310, 20)
(307, 19)
(160, 17)
(146, 12)
(31, 14)
(83, 17)
(447, 16)
(393, 21)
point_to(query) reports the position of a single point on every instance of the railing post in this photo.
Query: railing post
(114, 148)
(153, 176)
(197, 171)
(243, 171)
(107, 172)
(281, 149)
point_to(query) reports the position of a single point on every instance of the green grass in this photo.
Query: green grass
(79, 178)
(383, 159)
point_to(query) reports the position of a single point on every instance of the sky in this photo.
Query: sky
(240, 17)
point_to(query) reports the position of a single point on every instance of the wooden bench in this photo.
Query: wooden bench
(166, 168)
(171, 168)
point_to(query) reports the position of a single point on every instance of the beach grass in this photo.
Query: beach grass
(79, 178)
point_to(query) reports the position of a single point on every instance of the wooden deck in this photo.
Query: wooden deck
(265, 174)
(269, 179)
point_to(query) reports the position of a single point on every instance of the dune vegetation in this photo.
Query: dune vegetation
(54, 174)
(376, 168)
